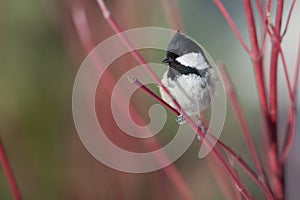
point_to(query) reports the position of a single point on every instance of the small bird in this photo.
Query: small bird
(190, 77)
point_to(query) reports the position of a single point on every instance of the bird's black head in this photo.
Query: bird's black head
(179, 46)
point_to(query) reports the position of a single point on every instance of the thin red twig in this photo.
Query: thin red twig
(277, 169)
(290, 132)
(215, 151)
(231, 162)
(297, 70)
(9, 174)
(258, 180)
(288, 19)
(221, 177)
(270, 3)
(257, 63)
(241, 119)
(260, 11)
(232, 25)
(256, 57)
(264, 41)
(153, 95)
(81, 25)
(276, 41)
(274, 66)
(112, 22)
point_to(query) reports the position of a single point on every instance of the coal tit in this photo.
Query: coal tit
(190, 77)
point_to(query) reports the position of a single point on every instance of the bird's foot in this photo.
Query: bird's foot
(180, 119)
(203, 129)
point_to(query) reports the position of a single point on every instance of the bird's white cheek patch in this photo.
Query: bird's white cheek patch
(195, 60)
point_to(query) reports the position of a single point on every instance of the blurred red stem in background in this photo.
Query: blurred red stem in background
(232, 25)
(241, 119)
(276, 40)
(290, 130)
(274, 67)
(288, 19)
(9, 174)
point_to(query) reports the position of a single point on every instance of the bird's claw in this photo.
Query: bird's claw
(180, 119)
(203, 129)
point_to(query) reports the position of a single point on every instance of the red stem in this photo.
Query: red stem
(260, 10)
(153, 95)
(288, 19)
(232, 24)
(276, 171)
(275, 39)
(231, 162)
(239, 186)
(9, 174)
(221, 177)
(297, 70)
(274, 66)
(112, 22)
(258, 68)
(290, 132)
(258, 180)
(241, 119)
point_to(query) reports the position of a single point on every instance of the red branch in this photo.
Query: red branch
(274, 66)
(290, 132)
(241, 118)
(297, 71)
(260, 10)
(231, 162)
(9, 174)
(153, 95)
(258, 180)
(276, 40)
(232, 24)
(288, 19)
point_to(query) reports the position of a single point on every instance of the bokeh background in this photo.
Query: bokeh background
(40, 53)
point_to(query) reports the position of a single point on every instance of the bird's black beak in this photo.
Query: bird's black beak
(167, 60)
